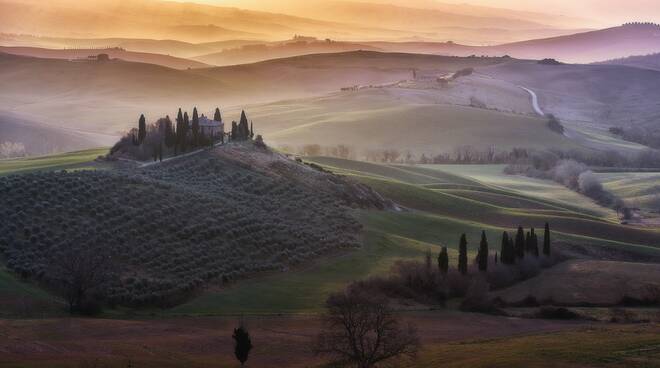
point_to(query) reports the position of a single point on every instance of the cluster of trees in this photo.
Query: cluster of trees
(242, 131)
(520, 256)
(165, 137)
(512, 250)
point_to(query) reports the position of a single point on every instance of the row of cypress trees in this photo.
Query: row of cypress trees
(512, 250)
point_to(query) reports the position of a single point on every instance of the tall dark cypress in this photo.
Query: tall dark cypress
(142, 129)
(195, 127)
(443, 261)
(505, 252)
(462, 255)
(546, 240)
(520, 243)
(251, 130)
(179, 129)
(534, 247)
(217, 116)
(512, 251)
(483, 253)
(243, 127)
(185, 127)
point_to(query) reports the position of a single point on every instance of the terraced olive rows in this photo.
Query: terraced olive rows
(172, 228)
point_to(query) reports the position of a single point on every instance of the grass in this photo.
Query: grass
(305, 290)
(640, 189)
(436, 217)
(78, 160)
(16, 296)
(636, 346)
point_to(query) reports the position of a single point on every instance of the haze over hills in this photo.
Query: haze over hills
(108, 97)
(161, 19)
(113, 53)
(650, 61)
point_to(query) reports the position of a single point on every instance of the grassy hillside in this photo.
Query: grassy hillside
(442, 206)
(640, 189)
(113, 53)
(602, 95)
(65, 161)
(178, 226)
(108, 97)
(400, 118)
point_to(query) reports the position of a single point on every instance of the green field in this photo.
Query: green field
(73, 160)
(639, 189)
(441, 204)
(405, 119)
(632, 346)
(438, 204)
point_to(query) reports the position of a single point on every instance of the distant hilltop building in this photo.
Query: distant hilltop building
(209, 127)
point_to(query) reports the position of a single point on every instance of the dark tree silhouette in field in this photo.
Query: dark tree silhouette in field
(142, 129)
(183, 136)
(195, 127)
(234, 131)
(462, 255)
(242, 344)
(520, 243)
(443, 261)
(362, 330)
(251, 130)
(483, 253)
(217, 116)
(82, 275)
(546, 240)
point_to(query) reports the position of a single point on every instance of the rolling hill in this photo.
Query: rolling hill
(650, 61)
(108, 97)
(113, 53)
(599, 95)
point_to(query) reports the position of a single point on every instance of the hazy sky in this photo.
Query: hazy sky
(610, 11)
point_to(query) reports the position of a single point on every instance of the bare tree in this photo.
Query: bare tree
(82, 274)
(362, 330)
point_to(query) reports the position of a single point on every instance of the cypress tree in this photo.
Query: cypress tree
(512, 251)
(217, 116)
(462, 255)
(520, 243)
(504, 249)
(179, 129)
(234, 130)
(195, 127)
(243, 127)
(243, 344)
(251, 130)
(528, 243)
(546, 240)
(170, 140)
(184, 131)
(483, 253)
(443, 261)
(534, 243)
(142, 129)
(495, 258)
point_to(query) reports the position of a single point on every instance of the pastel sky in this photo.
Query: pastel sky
(609, 11)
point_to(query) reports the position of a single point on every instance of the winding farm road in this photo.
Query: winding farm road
(535, 100)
